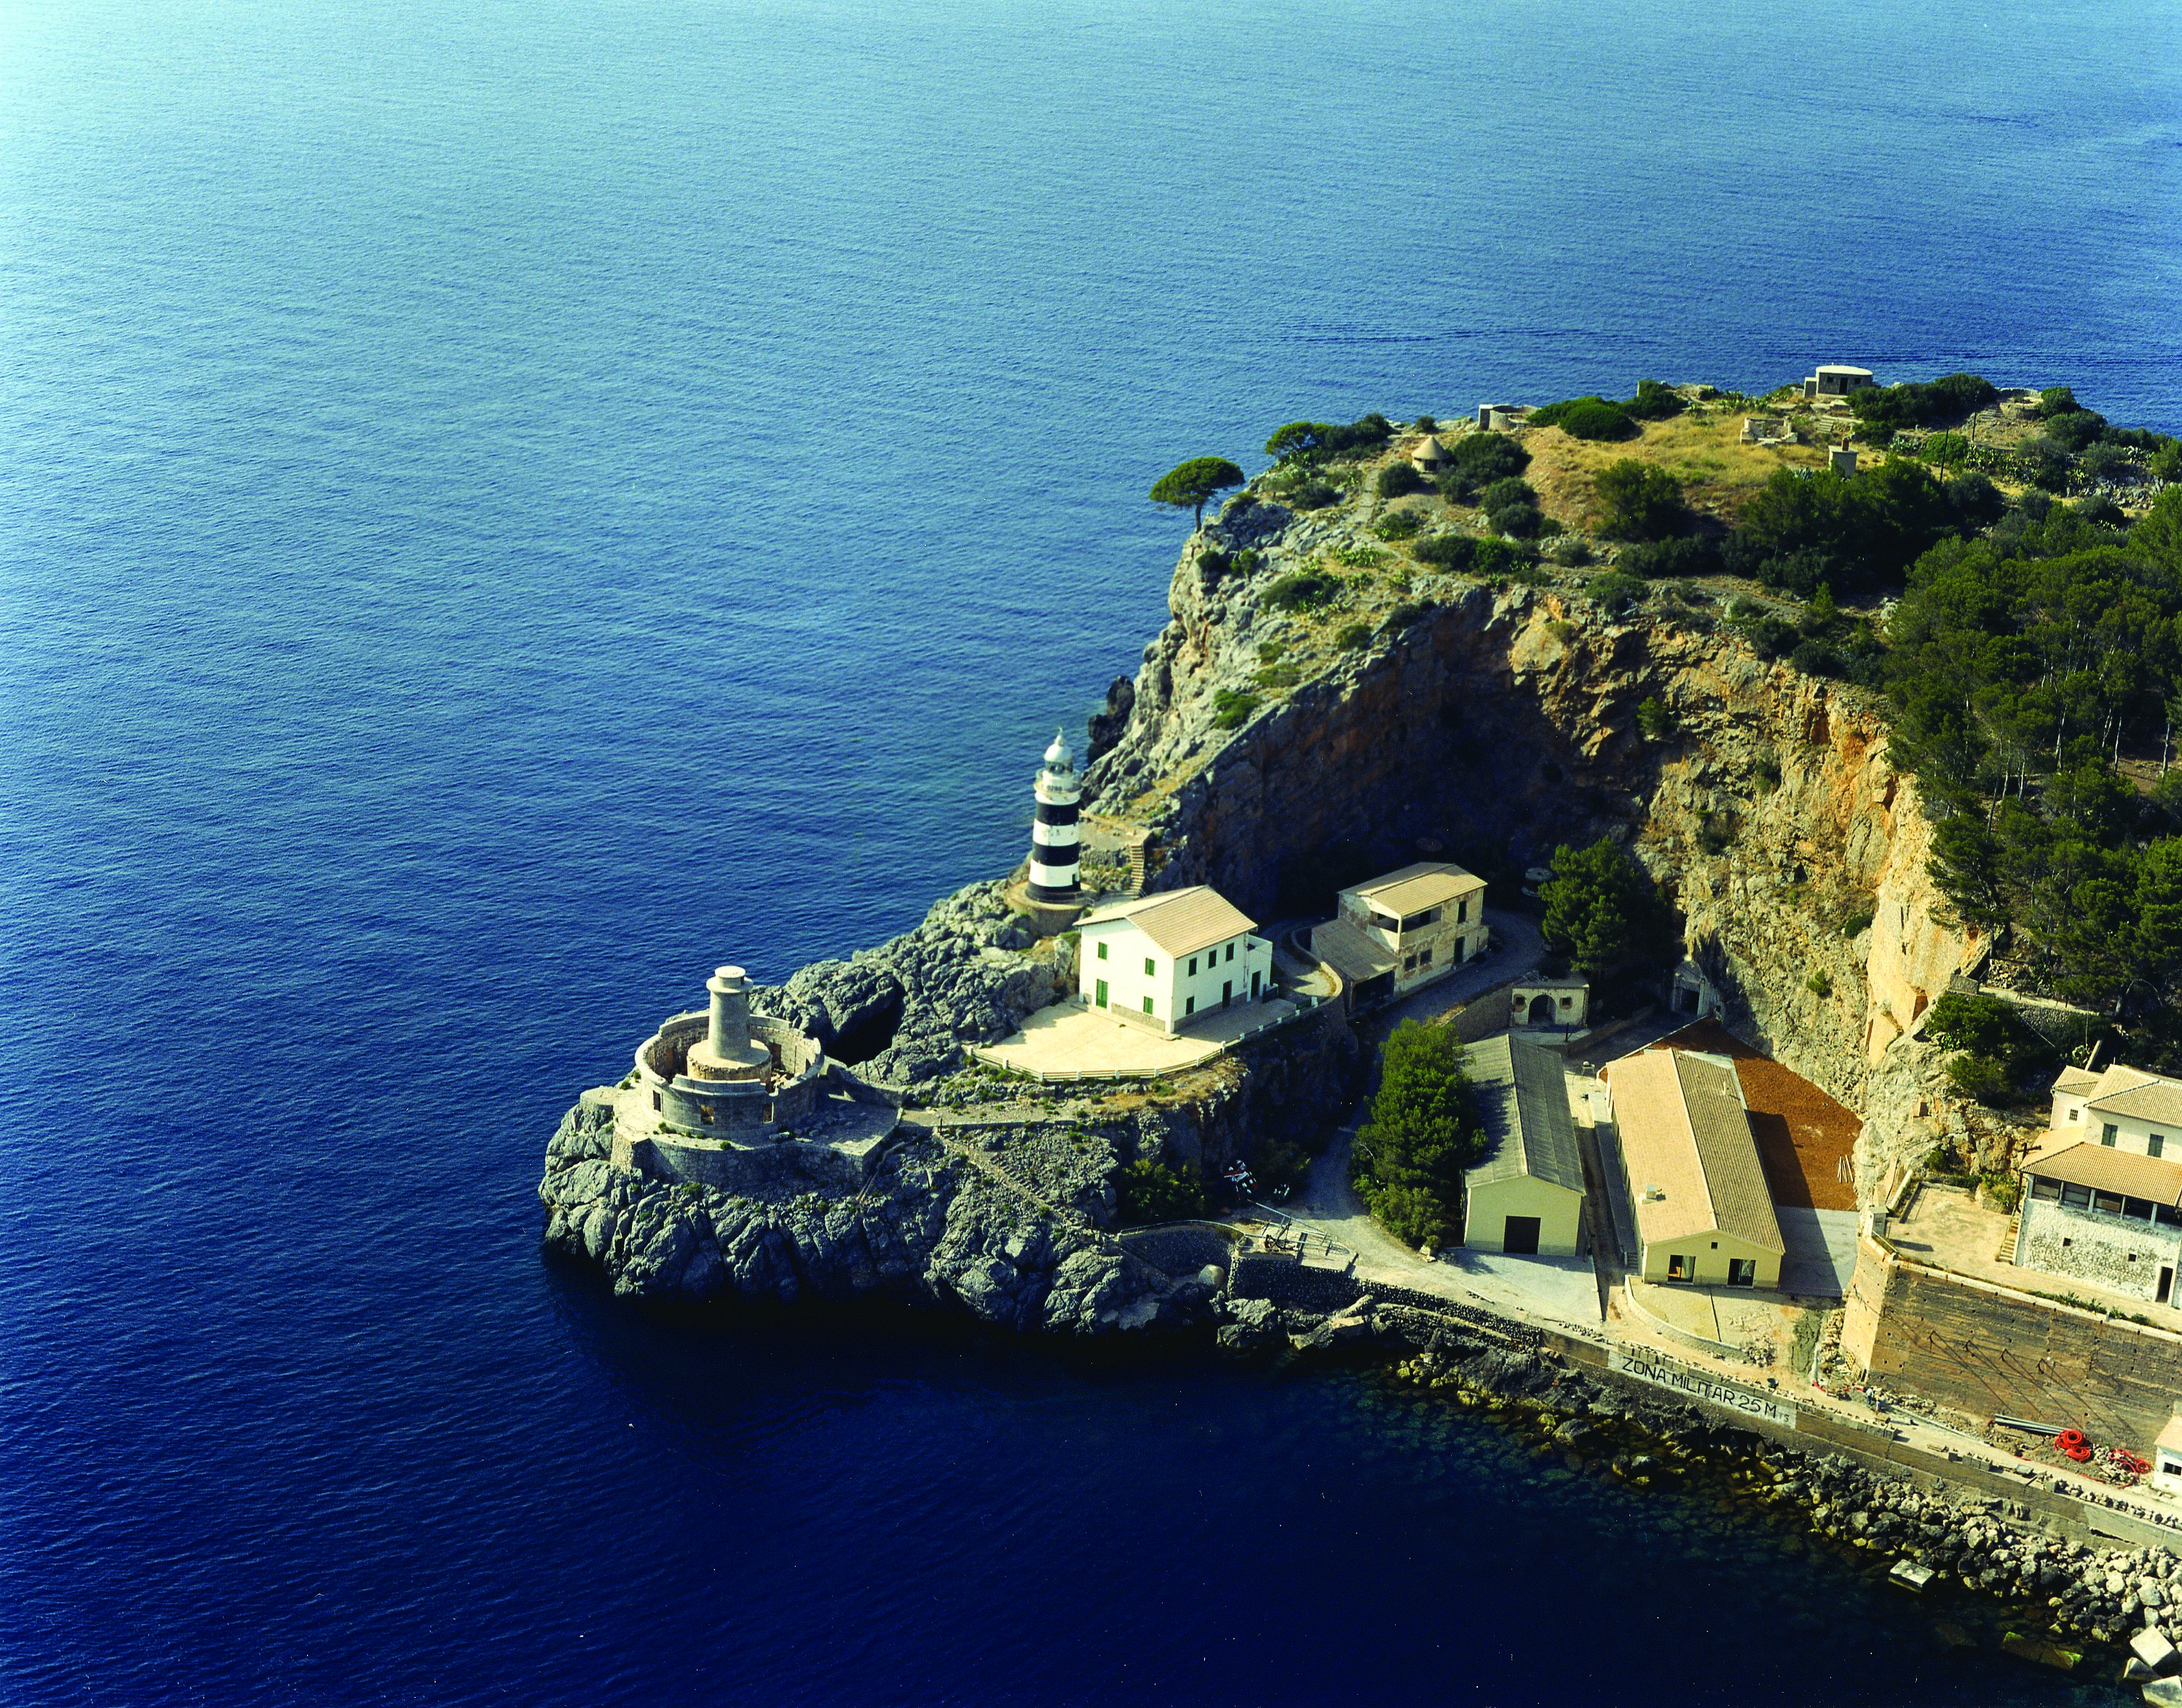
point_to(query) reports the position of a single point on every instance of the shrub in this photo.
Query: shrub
(1716, 835)
(1247, 563)
(1446, 550)
(1821, 982)
(2076, 431)
(1424, 423)
(1399, 525)
(1857, 922)
(1153, 1192)
(2003, 1191)
(1408, 611)
(1301, 589)
(2045, 463)
(1815, 658)
(1643, 501)
(1502, 493)
(1269, 651)
(1614, 592)
(1889, 408)
(2057, 400)
(1476, 460)
(1353, 637)
(1517, 521)
(1231, 708)
(1981, 1077)
(1572, 552)
(1653, 402)
(1597, 421)
(1398, 479)
(1658, 560)
(1654, 719)
(1279, 676)
(1502, 557)
(1948, 450)
(1975, 500)
(1767, 771)
(1413, 1215)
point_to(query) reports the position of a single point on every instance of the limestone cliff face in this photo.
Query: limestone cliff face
(1503, 723)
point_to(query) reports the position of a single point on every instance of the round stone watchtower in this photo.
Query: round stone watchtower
(727, 1050)
(1054, 850)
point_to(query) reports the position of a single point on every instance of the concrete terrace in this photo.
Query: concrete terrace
(1072, 1040)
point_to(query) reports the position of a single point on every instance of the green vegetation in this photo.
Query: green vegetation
(1353, 637)
(1153, 1192)
(1456, 552)
(2024, 664)
(1587, 418)
(1231, 708)
(1318, 442)
(1616, 593)
(1643, 501)
(1409, 1156)
(1604, 913)
(1653, 402)
(1821, 982)
(1301, 589)
(1399, 525)
(1191, 486)
(1998, 1057)
(1476, 461)
(1655, 720)
(1511, 506)
(1882, 411)
(1399, 480)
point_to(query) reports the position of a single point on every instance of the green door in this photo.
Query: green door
(1102, 993)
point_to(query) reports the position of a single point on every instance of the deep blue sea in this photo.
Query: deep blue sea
(504, 506)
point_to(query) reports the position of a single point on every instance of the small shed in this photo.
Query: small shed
(1559, 1004)
(1430, 455)
(1836, 379)
(1526, 1196)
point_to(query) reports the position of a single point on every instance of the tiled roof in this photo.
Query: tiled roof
(1181, 922)
(1350, 951)
(2141, 1096)
(2072, 1080)
(2109, 1169)
(1414, 888)
(1521, 1094)
(1684, 1129)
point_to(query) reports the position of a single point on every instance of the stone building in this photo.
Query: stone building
(1164, 961)
(1403, 930)
(724, 1073)
(1835, 380)
(2102, 1191)
(1542, 1003)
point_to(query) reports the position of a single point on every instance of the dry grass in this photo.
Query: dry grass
(1702, 449)
(1802, 1133)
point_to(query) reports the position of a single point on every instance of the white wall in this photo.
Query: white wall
(1170, 985)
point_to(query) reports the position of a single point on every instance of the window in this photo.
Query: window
(1102, 949)
(1230, 951)
(1679, 1268)
(2106, 1134)
(1410, 962)
(655, 1100)
(1462, 913)
(1189, 1004)
(1148, 1005)
(1150, 972)
(2047, 1190)
(2110, 1203)
(2155, 1145)
(1423, 957)
(1568, 1001)
(2075, 1114)
(2076, 1197)
(1192, 966)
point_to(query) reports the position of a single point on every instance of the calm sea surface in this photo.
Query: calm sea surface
(504, 506)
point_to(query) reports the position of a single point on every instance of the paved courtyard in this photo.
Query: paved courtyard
(1070, 1038)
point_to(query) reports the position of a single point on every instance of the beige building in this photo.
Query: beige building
(1403, 930)
(1835, 380)
(1526, 1195)
(1163, 960)
(2103, 1192)
(1702, 1209)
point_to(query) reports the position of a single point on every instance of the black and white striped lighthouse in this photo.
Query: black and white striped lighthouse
(1053, 835)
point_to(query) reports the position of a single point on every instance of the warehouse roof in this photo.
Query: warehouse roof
(1521, 1095)
(1684, 1132)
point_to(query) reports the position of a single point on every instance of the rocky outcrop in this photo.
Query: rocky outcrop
(969, 973)
(928, 1227)
(1494, 722)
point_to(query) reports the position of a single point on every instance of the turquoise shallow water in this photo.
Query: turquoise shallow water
(504, 507)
